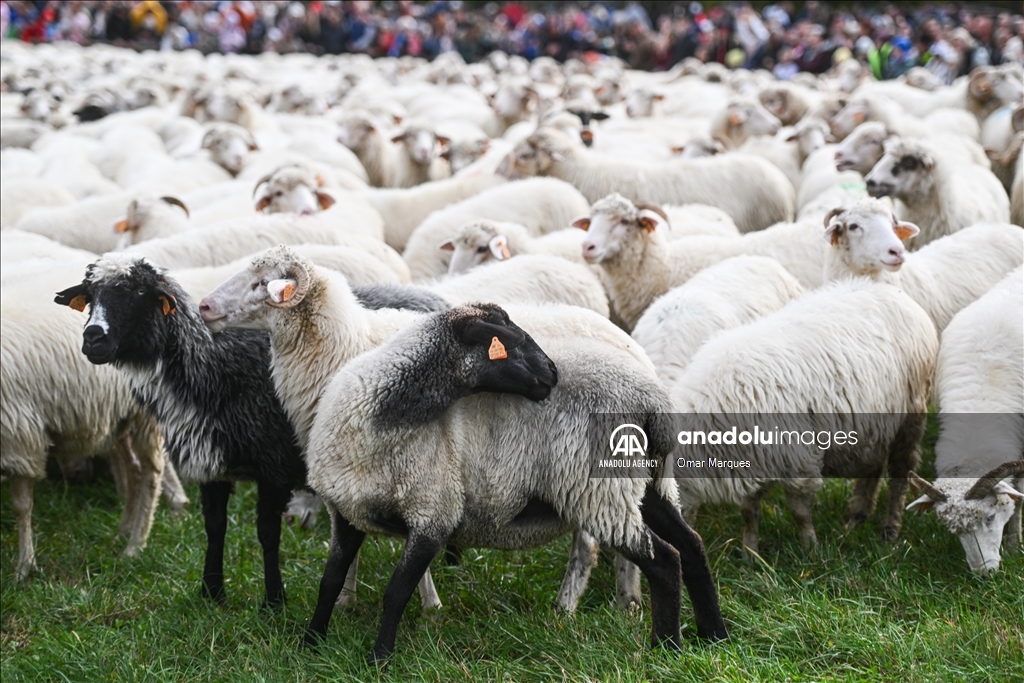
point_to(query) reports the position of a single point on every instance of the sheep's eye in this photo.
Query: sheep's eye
(263, 282)
(991, 518)
(481, 250)
(854, 226)
(279, 193)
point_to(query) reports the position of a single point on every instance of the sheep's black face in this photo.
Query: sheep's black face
(505, 359)
(122, 311)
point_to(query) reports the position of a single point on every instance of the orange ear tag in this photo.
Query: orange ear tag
(166, 306)
(497, 350)
(505, 254)
(121, 226)
(287, 291)
(78, 303)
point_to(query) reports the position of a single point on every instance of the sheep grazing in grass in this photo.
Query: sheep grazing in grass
(212, 396)
(939, 195)
(979, 391)
(380, 406)
(943, 277)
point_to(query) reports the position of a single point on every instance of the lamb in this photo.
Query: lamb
(943, 277)
(404, 209)
(638, 263)
(980, 370)
(235, 295)
(480, 241)
(55, 403)
(939, 195)
(751, 190)
(873, 348)
(541, 205)
(143, 323)
(721, 297)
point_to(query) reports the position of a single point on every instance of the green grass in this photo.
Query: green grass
(856, 609)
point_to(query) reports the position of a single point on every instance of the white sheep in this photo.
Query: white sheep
(742, 118)
(370, 141)
(481, 241)
(979, 385)
(864, 147)
(19, 196)
(418, 156)
(541, 205)
(943, 277)
(938, 194)
(751, 190)
(862, 361)
(86, 224)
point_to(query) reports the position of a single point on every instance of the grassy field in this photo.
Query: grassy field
(856, 609)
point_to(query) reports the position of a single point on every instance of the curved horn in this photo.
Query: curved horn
(264, 179)
(205, 144)
(936, 495)
(301, 286)
(176, 202)
(984, 485)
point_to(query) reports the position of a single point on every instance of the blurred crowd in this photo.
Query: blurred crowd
(787, 37)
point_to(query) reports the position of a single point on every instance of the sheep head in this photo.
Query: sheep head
(976, 511)
(477, 242)
(535, 155)
(867, 238)
(862, 148)
(616, 226)
(904, 171)
(292, 189)
(277, 278)
(229, 146)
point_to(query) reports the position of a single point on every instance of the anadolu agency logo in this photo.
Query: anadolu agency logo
(625, 441)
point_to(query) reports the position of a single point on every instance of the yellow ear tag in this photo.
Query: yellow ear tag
(497, 350)
(78, 303)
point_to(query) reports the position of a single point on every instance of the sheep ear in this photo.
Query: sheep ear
(737, 117)
(72, 297)
(921, 504)
(649, 220)
(398, 138)
(447, 246)
(207, 139)
(557, 156)
(168, 302)
(122, 226)
(1005, 489)
(263, 203)
(833, 226)
(659, 97)
(319, 180)
(904, 230)
(325, 200)
(599, 116)
(281, 291)
(499, 247)
(583, 223)
(677, 149)
(793, 137)
(480, 333)
(484, 146)
(443, 141)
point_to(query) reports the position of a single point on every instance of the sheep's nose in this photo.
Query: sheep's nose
(93, 334)
(897, 255)
(204, 308)
(838, 156)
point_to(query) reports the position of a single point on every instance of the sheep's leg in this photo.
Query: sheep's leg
(664, 520)
(151, 467)
(904, 457)
(270, 505)
(801, 505)
(348, 592)
(21, 499)
(172, 490)
(863, 499)
(214, 497)
(345, 542)
(582, 558)
(1013, 527)
(663, 576)
(119, 473)
(750, 508)
(132, 470)
(452, 555)
(430, 602)
(690, 514)
(627, 584)
(417, 555)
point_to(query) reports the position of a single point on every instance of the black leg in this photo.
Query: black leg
(664, 519)
(345, 543)
(419, 552)
(270, 506)
(452, 556)
(663, 577)
(214, 496)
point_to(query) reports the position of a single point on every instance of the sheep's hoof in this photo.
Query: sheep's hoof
(133, 551)
(178, 508)
(273, 605)
(432, 613)
(378, 658)
(24, 571)
(673, 642)
(890, 534)
(311, 640)
(346, 598)
(214, 593)
(629, 603)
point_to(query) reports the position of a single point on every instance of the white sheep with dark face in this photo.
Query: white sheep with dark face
(979, 390)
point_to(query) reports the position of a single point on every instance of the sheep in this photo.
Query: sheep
(230, 240)
(938, 195)
(990, 88)
(418, 158)
(943, 277)
(236, 302)
(480, 241)
(404, 209)
(873, 348)
(541, 205)
(721, 297)
(85, 224)
(146, 326)
(18, 197)
(630, 242)
(699, 219)
(292, 189)
(787, 103)
(362, 134)
(751, 190)
(229, 146)
(877, 107)
(699, 146)
(980, 370)
(148, 218)
(1006, 158)
(864, 147)
(56, 403)
(741, 119)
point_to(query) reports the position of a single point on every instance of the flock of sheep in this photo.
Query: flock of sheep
(407, 286)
